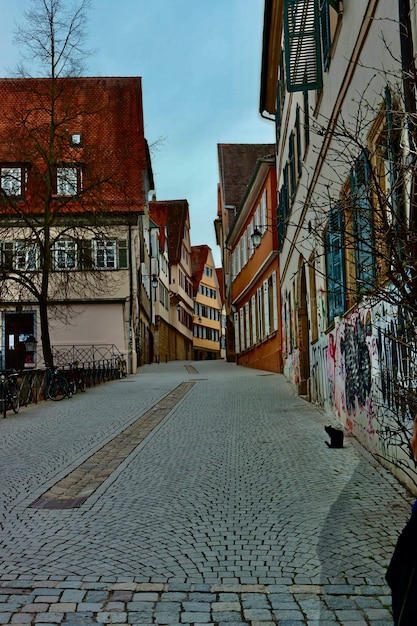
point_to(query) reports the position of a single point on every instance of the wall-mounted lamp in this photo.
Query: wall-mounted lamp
(256, 237)
(154, 279)
(199, 320)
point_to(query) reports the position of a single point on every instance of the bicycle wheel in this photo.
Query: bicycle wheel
(81, 383)
(3, 399)
(58, 388)
(14, 398)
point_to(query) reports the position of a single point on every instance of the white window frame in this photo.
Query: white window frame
(108, 248)
(65, 253)
(26, 255)
(68, 178)
(12, 180)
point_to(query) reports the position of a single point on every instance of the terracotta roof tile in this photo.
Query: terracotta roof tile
(173, 214)
(236, 165)
(107, 112)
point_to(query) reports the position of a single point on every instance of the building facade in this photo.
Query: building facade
(175, 337)
(345, 134)
(207, 305)
(73, 219)
(255, 293)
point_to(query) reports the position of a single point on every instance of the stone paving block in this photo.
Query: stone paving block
(53, 618)
(21, 618)
(112, 617)
(194, 618)
(63, 607)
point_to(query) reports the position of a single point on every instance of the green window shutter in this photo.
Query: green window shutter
(393, 150)
(7, 257)
(302, 45)
(280, 222)
(85, 254)
(363, 230)
(325, 33)
(298, 138)
(291, 162)
(278, 111)
(122, 254)
(335, 268)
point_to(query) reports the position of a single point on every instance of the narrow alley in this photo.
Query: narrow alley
(192, 493)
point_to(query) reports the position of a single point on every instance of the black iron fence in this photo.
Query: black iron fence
(98, 364)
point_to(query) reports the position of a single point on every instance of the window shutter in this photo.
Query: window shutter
(393, 151)
(274, 301)
(362, 224)
(335, 272)
(7, 255)
(122, 254)
(298, 140)
(291, 161)
(302, 45)
(242, 329)
(254, 325)
(266, 307)
(247, 323)
(325, 32)
(86, 254)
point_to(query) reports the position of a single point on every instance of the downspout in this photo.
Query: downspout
(130, 302)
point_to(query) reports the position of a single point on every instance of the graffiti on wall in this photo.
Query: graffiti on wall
(354, 350)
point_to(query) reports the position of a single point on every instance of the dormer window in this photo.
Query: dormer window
(76, 140)
(12, 180)
(68, 180)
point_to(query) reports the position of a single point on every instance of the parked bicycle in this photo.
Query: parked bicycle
(56, 385)
(121, 364)
(9, 392)
(75, 378)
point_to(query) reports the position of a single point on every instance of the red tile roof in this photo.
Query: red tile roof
(172, 214)
(199, 256)
(236, 165)
(107, 112)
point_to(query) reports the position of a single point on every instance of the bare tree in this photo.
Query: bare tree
(56, 216)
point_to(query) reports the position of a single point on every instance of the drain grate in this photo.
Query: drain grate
(73, 490)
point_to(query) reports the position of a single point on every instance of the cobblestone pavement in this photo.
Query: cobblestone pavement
(191, 493)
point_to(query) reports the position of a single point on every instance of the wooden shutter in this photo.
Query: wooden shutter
(302, 45)
(363, 230)
(335, 271)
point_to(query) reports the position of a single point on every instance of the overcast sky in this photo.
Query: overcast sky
(200, 62)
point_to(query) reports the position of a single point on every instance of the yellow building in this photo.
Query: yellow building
(207, 305)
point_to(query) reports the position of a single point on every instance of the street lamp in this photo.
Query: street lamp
(256, 237)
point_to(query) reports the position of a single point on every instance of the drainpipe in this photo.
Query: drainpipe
(130, 302)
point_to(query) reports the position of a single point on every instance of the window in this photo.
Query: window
(19, 255)
(208, 271)
(12, 181)
(68, 180)
(65, 255)
(110, 254)
(76, 140)
(335, 271)
(26, 255)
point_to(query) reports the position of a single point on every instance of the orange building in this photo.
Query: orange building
(255, 292)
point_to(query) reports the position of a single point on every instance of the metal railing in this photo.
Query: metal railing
(95, 372)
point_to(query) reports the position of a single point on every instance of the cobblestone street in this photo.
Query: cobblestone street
(195, 493)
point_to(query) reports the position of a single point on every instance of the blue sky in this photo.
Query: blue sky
(200, 62)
